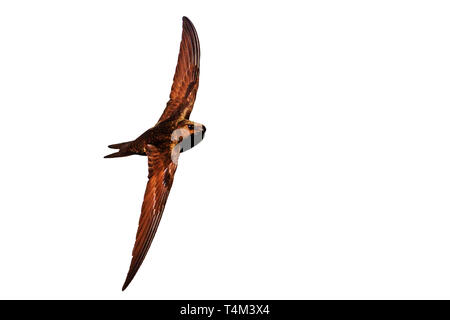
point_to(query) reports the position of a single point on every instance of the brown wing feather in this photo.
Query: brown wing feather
(161, 172)
(185, 80)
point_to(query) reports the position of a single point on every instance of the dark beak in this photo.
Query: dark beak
(203, 131)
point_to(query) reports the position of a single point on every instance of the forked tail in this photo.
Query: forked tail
(123, 150)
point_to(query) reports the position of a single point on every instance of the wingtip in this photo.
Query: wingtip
(126, 283)
(186, 20)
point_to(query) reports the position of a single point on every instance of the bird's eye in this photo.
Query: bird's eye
(190, 126)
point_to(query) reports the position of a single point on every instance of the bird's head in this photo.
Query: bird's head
(188, 134)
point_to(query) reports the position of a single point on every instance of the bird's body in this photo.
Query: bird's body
(162, 135)
(163, 143)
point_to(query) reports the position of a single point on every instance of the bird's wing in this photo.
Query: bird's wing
(161, 167)
(185, 80)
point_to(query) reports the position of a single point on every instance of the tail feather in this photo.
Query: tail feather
(118, 145)
(119, 154)
(123, 152)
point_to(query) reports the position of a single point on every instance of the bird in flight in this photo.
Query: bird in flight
(173, 134)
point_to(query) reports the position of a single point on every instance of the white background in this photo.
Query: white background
(324, 172)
